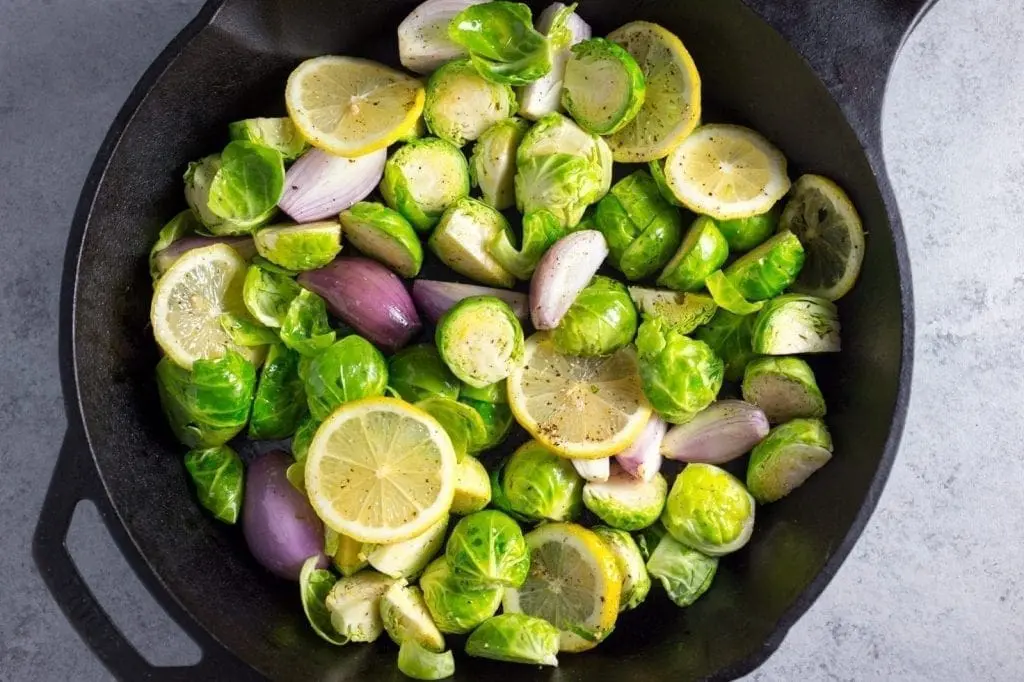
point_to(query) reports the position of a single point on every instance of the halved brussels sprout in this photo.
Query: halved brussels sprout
(702, 252)
(515, 638)
(407, 558)
(600, 321)
(481, 340)
(209, 405)
(795, 324)
(744, 234)
(729, 336)
(245, 332)
(303, 437)
(648, 538)
(219, 478)
(279, 134)
(543, 96)
(709, 510)
(657, 170)
(728, 297)
(279, 404)
(422, 664)
(487, 549)
(683, 312)
(461, 104)
(418, 372)
(267, 294)
(314, 586)
(502, 43)
(405, 616)
(540, 231)
(350, 369)
(635, 581)
(472, 487)
(384, 235)
(539, 484)
(423, 178)
(455, 607)
(492, 167)
(685, 573)
(300, 247)
(497, 419)
(235, 191)
(562, 169)
(641, 228)
(769, 269)
(463, 424)
(787, 457)
(604, 87)
(680, 376)
(305, 328)
(784, 388)
(463, 242)
(625, 502)
(354, 603)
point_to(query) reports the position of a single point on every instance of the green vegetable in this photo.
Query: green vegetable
(180, 225)
(682, 312)
(278, 134)
(702, 252)
(497, 419)
(600, 321)
(303, 437)
(461, 104)
(418, 372)
(408, 558)
(421, 664)
(709, 510)
(515, 638)
(539, 485)
(784, 388)
(730, 337)
(481, 340)
(657, 171)
(280, 403)
(769, 269)
(679, 376)
(354, 603)
(540, 231)
(685, 573)
(744, 234)
(219, 478)
(502, 43)
(604, 87)
(455, 607)
(625, 502)
(245, 332)
(350, 555)
(795, 324)
(350, 369)
(300, 247)
(384, 235)
(635, 581)
(641, 228)
(267, 294)
(423, 178)
(562, 169)
(314, 586)
(209, 405)
(487, 549)
(305, 328)
(235, 191)
(728, 297)
(648, 538)
(463, 424)
(787, 457)
(463, 242)
(492, 167)
(472, 487)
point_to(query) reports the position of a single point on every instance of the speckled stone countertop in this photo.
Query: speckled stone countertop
(934, 590)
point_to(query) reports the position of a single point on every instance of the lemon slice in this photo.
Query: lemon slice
(671, 108)
(189, 301)
(823, 217)
(727, 172)
(579, 407)
(380, 470)
(351, 107)
(574, 584)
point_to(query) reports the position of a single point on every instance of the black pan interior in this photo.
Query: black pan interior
(236, 68)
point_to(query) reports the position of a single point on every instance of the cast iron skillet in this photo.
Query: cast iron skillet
(809, 74)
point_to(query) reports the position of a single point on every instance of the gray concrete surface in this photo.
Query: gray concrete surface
(933, 590)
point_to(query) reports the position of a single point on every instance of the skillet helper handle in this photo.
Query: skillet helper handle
(851, 45)
(75, 479)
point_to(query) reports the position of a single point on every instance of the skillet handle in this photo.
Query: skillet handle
(75, 479)
(851, 45)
